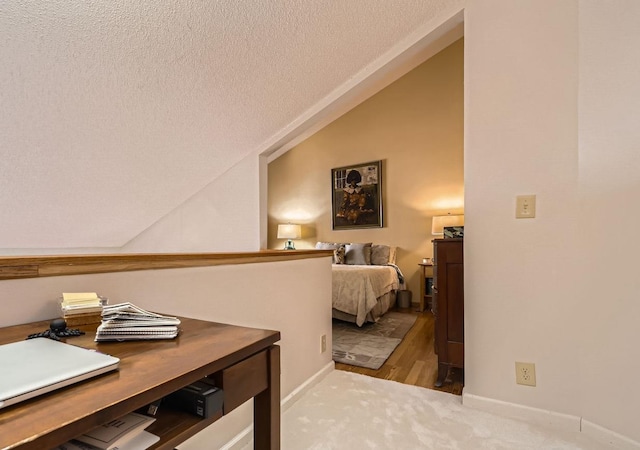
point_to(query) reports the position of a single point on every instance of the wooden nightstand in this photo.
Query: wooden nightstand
(426, 287)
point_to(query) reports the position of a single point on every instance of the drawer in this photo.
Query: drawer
(243, 381)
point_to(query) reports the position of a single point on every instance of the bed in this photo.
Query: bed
(364, 281)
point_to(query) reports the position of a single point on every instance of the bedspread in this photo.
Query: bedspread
(357, 288)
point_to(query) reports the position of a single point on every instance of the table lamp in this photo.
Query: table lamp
(289, 231)
(439, 222)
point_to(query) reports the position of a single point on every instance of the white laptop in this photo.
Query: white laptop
(35, 366)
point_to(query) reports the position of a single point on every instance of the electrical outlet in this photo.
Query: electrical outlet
(526, 373)
(323, 343)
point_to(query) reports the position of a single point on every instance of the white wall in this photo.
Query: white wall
(293, 297)
(551, 105)
(609, 163)
(228, 215)
(223, 217)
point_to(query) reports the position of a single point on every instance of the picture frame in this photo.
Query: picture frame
(356, 196)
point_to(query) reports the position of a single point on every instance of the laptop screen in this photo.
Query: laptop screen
(36, 366)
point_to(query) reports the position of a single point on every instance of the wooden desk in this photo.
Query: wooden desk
(243, 361)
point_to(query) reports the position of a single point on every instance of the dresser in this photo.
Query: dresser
(448, 305)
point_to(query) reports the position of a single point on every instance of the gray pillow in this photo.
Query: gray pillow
(380, 254)
(358, 254)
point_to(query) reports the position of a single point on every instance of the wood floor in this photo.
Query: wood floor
(414, 360)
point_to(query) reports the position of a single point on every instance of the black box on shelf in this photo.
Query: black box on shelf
(453, 232)
(428, 286)
(200, 398)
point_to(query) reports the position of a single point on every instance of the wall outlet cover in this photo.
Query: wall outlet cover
(526, 373)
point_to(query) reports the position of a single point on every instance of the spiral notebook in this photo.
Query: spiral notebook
(37, 366)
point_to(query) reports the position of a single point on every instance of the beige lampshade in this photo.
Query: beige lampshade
(439, 222)
(289, 231)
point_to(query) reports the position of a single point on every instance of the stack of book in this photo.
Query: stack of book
(126, 433)
(127, 322)
(82, 308)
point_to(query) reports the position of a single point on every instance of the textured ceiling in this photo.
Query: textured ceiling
(114, 112)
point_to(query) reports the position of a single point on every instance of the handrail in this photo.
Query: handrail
(15, 267)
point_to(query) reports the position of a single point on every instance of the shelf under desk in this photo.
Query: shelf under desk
(243, 361)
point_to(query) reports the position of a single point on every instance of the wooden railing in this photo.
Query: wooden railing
(13, 267)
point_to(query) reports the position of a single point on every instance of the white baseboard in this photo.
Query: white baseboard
(239, 440)
(244, 437)
(528, 414)
(304, 387)
(549, 419)
(603, 434)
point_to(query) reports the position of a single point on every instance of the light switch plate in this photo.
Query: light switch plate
(525, 206)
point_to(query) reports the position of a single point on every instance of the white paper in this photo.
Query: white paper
(142, 441)
(113, 434)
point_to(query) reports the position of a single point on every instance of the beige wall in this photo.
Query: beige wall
(415, 126)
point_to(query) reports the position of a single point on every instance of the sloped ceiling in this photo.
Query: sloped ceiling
(114, 112)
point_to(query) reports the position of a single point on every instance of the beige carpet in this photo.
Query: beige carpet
(352, 411)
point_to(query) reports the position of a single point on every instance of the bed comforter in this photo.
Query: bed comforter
(356, 288)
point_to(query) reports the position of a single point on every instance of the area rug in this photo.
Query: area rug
(370, 345)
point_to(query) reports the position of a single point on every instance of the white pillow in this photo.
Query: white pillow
(326, 245)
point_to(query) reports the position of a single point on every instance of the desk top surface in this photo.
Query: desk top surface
(148, 370)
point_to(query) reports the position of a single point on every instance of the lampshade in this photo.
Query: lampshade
(289, 231)
(439, 222)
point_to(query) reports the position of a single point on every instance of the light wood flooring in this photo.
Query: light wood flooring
(414, 360)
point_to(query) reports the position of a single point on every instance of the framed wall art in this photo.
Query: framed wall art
(357, 196)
